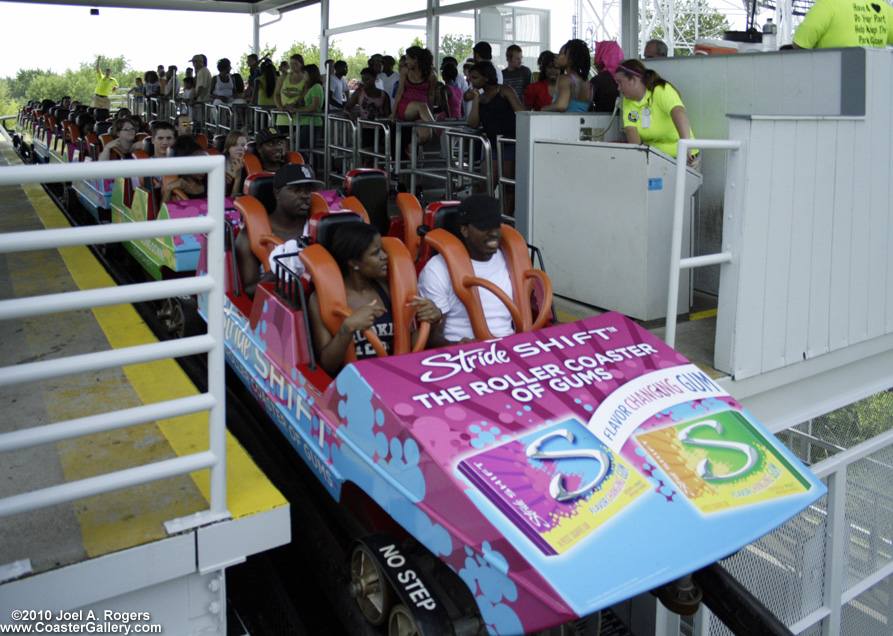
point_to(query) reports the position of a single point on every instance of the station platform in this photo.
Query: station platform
(111, 551)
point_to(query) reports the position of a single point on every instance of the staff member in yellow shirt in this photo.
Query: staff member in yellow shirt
(653, 112)
(105, 86)
(841, 23)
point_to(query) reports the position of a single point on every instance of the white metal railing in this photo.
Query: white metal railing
(677, 263)
(213, 401)
(503, 180)
(462, 160)
(838, 535)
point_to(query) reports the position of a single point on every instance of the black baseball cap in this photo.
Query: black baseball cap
(294, 174)
(481, 211)
(268, 134)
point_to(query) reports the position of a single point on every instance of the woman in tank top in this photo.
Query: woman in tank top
(289, 92)
(372, 103)
(415, 92)
(493, 107)
(358, 250)
(574, 90)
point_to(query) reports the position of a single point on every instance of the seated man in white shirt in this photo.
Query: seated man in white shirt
(480, 223)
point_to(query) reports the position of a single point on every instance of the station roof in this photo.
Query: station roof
(249, 7)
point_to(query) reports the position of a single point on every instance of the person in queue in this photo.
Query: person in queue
(187, 96)
(171, 84)
(193, 185)
(254, 74)
(493, 107)
(163, 137)
(655, 48)
(516, 76)
(451, 95)
(292, 187)
(415, 92)
(202, 93)
(234, 151)
(357, 248)
(105, 86)
(373, 103)
(836, 24)
(314, 96)
(608, 56)
(377, 66)
(269, 146)
(388, 76)
(483, 52)
(265, 84)
(653, 112)
(152, 85)
(124, 132)
(338, 88)
(574, 90)
(542, 92)
(226, 87)
(289, 92)
(480, 224)
(460, 79)
(138, 93)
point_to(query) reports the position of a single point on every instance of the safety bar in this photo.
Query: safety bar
(677, 263)
(213, 401)
(462, 164)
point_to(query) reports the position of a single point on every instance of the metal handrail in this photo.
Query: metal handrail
(501, 179)
(414, 170)
(343, 144)
(262, 117)
(213, 401)
(381, 143)
(464, 157)
(677, 263)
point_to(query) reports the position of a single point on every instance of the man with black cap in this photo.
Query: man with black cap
(293, 186)
(480, 224)
(270, 148)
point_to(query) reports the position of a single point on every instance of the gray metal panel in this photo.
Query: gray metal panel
(822, 82)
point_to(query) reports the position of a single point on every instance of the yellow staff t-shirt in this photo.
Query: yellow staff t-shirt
(655, 127)
(842, 23)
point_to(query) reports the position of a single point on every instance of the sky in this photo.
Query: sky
(148, 38)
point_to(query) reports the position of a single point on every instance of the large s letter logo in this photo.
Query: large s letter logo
(703, 469)
(556, 488)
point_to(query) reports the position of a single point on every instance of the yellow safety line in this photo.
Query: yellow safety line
(248, 490)
(702, 314)
(565, 317)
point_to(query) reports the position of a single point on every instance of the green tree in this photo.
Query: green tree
(694, 19)
(416, 41)
(356, 63)
(310, 52)
(8, 105)
(457, 46)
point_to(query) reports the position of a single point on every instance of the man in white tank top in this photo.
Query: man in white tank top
(480, 223)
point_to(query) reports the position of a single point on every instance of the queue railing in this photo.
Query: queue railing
(502, 180)
(380, 151)
(261, 117)
(462, 170)
(437, 170)
(342, 150)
